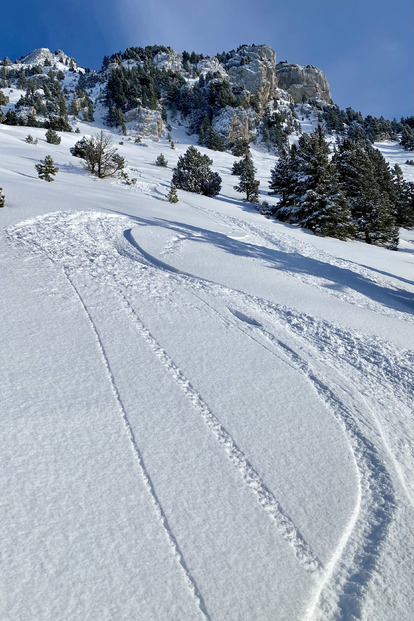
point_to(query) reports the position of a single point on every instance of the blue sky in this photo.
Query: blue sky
(365, 47)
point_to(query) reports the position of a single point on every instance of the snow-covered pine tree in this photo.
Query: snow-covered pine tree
(2, 198)
(248, 183)
(46, 169)
(322, 206)
(367, 182)
(193, 173)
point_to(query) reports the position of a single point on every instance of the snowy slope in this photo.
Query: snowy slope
(205, 414)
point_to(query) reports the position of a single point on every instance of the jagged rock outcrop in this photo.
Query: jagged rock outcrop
(235, 123)
(253, 68)
(147, 123)
(303, 82)
(43, 55)
(170, 60)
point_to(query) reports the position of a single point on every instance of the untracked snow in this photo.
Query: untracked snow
(206, 414)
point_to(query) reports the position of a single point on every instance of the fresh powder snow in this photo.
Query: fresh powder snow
(206, 414)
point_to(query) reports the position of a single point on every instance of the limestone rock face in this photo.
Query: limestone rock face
(147, 123)
(253, 68)
(303, 82)
(211, 65)
(235, 123)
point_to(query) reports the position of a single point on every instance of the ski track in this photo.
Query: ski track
(378, 366)
(190, 581)
(367, 529)
(304, 554)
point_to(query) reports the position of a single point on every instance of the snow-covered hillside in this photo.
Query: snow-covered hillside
(206, 414)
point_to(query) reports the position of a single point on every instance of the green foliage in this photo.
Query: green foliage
(30, 140)
(100, 158)
(210, 138)
(407, 138)
(237, 168)
(80, 148)
(248, 184)
(310, 191)
(276, 128)
(172, 195)
(46, 169)
(161, 161)
(11, 118)
(4, 100)
(240, 147)
(59, 124)
(52, 137)
(193, 174)
(370, 191)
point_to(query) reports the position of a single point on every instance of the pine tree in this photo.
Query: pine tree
(2, 198)
(193, 173)
(161, 161)
(248, 183)
(46, 169)
(283, 183)
(30, 140)
(52, 137)
(172, 195)
(309, 187)
(367, 181)
(404, 199)
(322, 206)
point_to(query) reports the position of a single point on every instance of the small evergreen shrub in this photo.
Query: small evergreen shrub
(52, 137)
(46, 169)
(172, 196)
(30, 140)
(2, 198)
(161, 161)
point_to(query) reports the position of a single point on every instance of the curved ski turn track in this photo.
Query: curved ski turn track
(275, 448)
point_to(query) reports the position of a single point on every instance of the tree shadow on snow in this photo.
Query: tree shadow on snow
(290, 262)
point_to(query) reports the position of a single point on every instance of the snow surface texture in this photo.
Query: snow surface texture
(205, 414)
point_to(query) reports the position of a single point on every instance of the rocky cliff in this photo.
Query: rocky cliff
(233, 95)
(303, 82)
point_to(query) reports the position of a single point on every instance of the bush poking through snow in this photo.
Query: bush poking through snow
(30, 140)
(46, 169)
(2, 198)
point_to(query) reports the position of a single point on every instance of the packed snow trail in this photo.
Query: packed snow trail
(109, 268)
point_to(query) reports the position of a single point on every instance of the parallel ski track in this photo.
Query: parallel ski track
(69, 275)
(190, 580)
(367, 530)
(287, 529)
(362, 543)
(352, 566)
